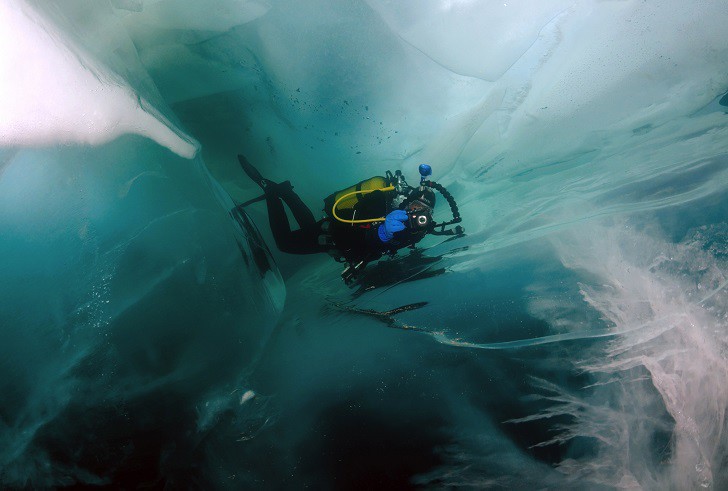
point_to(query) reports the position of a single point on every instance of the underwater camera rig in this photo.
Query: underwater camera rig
(404, 196)
(420, 219)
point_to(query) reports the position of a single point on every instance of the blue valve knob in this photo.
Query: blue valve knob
(425, 170)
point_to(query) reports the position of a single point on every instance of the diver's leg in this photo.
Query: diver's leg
(300, 211)
(302, 241)
(278, 220)
(284, 190)
(306, 240)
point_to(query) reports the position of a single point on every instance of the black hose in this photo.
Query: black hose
(450, 200)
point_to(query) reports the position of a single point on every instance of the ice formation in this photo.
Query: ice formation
(574, 338)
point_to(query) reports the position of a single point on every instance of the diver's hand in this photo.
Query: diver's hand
(394, 222)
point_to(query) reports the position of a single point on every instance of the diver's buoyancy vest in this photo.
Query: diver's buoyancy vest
(346, 207)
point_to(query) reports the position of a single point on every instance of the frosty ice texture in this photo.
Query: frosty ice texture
(570, 133)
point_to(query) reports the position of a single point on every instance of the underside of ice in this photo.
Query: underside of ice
(574, 337)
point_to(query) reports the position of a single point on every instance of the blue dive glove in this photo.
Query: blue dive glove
(394, 222)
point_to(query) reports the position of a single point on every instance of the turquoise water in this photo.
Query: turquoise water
(574, 337)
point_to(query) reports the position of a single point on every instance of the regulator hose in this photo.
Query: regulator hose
(434, 185)
(363, 191)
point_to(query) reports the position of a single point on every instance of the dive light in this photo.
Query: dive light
(425, 172)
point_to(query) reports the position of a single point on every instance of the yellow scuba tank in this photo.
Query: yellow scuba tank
(341, 205)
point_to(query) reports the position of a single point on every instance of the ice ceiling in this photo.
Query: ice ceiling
(134, 302)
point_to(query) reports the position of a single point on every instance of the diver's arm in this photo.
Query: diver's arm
(380, 238)
(373, 242)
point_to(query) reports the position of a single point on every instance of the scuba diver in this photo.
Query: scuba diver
(377, 216)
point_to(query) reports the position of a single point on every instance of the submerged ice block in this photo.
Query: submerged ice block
(132, 293)
(67, 95)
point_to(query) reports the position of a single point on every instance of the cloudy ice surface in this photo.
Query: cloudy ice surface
(574, 338)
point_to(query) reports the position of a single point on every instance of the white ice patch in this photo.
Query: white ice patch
(247, 395)
(476, 39)
(51, 92)
(669, 304)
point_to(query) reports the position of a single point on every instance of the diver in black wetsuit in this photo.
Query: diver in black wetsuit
(374, 223)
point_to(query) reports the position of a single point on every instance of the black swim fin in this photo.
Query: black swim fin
(252, 172)
(251, 201)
